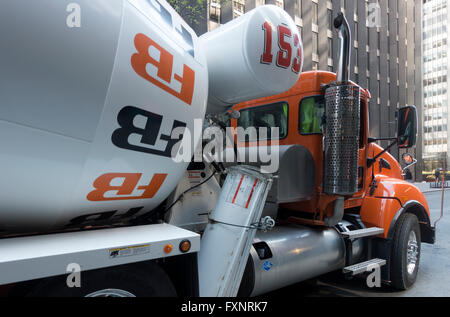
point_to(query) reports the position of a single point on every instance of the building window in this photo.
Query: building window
(259, 3)
(330, 48)
(315, 43)
(299, 8)
(378, 89)
(315, 11)
(214, 11)
(378, 40)
(368, 35)
(378, 64)
(388, 41)
(238, 8)
(330, 19)
(279, 3)
(368, 60)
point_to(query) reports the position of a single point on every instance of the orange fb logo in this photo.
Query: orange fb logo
(140, 60)
(123, 191)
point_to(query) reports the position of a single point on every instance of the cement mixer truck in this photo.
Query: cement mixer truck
(93, 202)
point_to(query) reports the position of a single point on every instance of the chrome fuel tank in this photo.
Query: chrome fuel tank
(291, 254)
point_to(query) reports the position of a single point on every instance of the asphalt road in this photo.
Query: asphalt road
(434, 270)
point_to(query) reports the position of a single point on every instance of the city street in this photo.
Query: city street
(434, 271)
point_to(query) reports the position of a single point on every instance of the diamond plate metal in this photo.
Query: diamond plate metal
(363, 266)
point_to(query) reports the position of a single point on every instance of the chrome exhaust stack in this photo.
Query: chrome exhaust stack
(345, 38)
(341, 143)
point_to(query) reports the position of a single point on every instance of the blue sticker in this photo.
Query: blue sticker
(267, 265)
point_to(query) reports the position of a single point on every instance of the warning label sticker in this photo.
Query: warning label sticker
(129, 251)
(195, 178)
(242, 190)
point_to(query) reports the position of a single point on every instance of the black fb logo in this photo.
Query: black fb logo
(149, 134)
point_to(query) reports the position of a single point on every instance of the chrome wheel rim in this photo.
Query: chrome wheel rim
(110, 292)
(412, 253)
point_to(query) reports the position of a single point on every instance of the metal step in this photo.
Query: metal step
(363, 266)
(360, 233)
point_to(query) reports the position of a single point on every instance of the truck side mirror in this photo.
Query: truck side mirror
(407, 127)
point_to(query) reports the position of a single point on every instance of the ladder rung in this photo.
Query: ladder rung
(372, 231)
(363, 266)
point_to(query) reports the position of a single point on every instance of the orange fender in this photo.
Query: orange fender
(387, 198)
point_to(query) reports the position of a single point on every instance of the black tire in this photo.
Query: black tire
(139, 280)
(401, 277)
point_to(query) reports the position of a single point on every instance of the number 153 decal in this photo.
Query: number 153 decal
(286, 55)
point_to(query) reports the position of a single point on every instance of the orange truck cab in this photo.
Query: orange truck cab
(382, 199)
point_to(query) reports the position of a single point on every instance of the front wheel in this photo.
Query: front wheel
(405, 252)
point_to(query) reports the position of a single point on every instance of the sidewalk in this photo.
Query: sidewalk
(425, 187)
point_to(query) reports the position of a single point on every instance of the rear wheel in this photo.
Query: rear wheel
(405, 252)
(136, 280)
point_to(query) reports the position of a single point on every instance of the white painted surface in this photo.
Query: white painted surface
(34, 257)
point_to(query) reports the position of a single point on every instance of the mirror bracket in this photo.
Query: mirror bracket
(408, 166)
(370, 161)
(372, 140)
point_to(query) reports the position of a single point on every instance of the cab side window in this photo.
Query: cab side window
(311, 113)
(268, 116)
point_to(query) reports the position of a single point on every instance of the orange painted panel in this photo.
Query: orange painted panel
(380, 208)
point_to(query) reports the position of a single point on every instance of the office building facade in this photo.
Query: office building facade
(436, 87)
